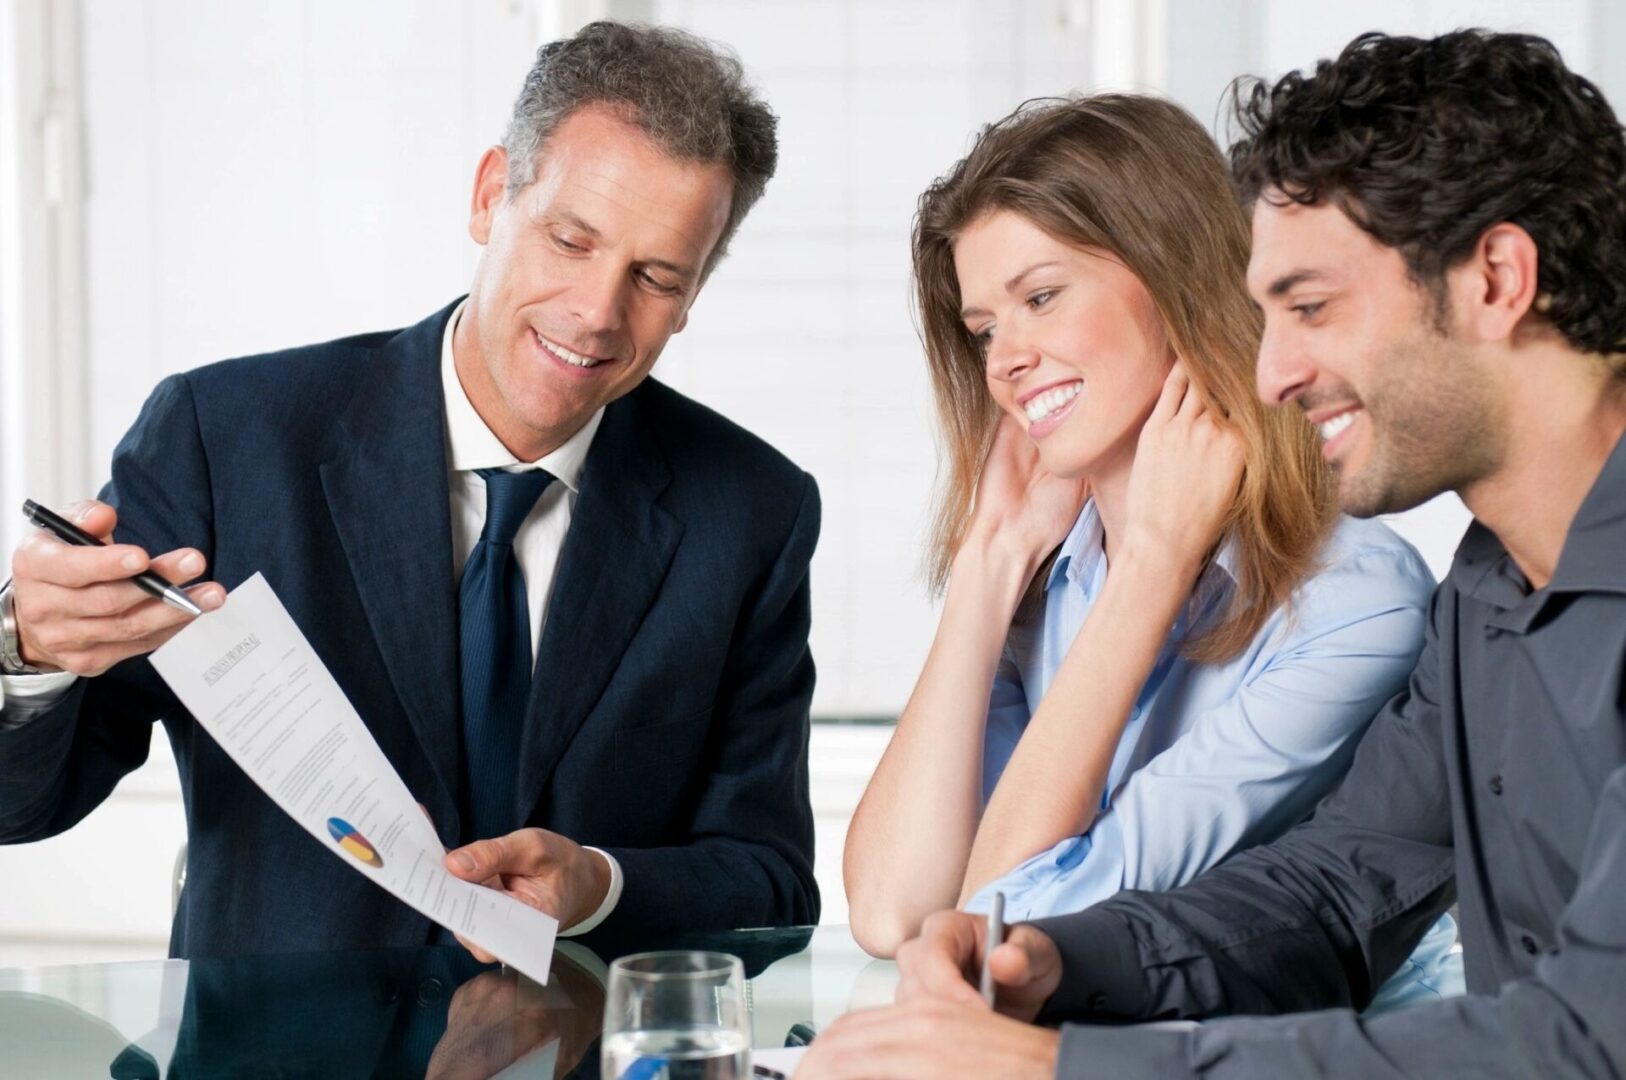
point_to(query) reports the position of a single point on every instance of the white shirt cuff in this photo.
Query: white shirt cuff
(24, 696)
(611, 897)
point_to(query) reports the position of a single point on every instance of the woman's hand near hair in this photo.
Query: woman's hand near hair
(1188, 465)
(911, 834)
(1181, 489)
(1021, 511)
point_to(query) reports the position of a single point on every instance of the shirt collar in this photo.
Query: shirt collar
(1592, 557)
(471, 444)
(1085, 547)
(1589, 561)
(1082, 549)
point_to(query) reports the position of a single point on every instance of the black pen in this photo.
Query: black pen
(69, 533)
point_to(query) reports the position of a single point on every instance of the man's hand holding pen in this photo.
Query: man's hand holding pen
(77, 608)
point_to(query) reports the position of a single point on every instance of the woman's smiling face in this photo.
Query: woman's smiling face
(1073, 346)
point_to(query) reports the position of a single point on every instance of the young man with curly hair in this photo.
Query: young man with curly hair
(1439, 236)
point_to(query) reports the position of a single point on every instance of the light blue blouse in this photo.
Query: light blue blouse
(1219, 757)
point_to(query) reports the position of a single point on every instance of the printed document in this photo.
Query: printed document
(255, 684)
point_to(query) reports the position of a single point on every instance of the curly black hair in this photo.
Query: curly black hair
(1426, 144)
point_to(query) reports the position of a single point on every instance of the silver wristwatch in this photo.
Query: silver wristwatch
(11, 655)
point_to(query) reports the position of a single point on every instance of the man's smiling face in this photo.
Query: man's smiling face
(1403, 409)
(585, 275)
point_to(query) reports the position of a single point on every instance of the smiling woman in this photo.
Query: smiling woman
(1202, 640)
(1063, 331)
(1131, 193)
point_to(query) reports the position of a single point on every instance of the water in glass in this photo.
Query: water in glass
(690, 1054)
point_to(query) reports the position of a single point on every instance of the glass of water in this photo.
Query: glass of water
(676, 1016)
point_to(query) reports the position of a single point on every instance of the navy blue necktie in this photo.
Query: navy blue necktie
(494, 631)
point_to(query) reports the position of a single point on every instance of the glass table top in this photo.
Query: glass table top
(429, 1011)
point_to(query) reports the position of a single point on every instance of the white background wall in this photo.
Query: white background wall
(262, 175)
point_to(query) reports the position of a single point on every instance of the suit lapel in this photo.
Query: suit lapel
(387, 488)
(614, 559)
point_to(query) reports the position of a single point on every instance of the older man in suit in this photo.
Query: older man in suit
(571, 605)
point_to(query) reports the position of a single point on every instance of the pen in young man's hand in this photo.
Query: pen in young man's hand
(996, 934)
(69, 533)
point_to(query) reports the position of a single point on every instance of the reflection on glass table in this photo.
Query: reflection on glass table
(431, 1012)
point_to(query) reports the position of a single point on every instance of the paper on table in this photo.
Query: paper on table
(255, 684)
(780, 1059)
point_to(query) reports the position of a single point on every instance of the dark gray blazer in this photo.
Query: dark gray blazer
(1497, 778)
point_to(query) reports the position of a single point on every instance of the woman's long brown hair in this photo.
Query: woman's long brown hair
(1136, 176)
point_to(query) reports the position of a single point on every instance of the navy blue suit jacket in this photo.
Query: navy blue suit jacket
(668, 722)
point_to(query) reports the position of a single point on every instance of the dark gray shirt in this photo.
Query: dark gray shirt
(1497, 777)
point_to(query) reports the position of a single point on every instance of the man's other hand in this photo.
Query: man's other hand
(929, 1038)
(551, 873)
(77, 609)
(945, 962)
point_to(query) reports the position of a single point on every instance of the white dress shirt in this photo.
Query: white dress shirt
(470, 446)
(541, 537)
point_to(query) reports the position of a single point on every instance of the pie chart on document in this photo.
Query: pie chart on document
(353, 843)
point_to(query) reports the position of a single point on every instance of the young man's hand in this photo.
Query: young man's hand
(945, 962)
(928, 1038)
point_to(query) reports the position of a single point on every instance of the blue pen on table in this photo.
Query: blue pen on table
(801, 1034)
(69, 533)
(996, 934)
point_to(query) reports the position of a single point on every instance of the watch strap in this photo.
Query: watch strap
(11, 657)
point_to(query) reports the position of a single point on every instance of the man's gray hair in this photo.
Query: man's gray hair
(688, 95)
